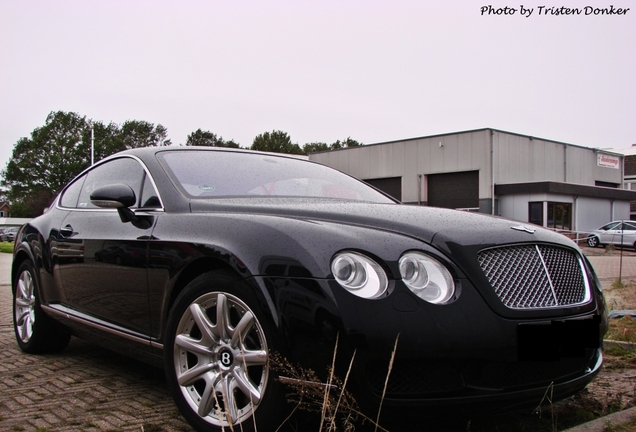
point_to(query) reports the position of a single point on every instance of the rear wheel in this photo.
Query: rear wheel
(592, 241)
(216, 357)
(35, 331)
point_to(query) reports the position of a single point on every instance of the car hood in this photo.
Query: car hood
(444, 228)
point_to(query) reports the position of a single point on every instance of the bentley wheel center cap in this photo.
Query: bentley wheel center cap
(226, 358)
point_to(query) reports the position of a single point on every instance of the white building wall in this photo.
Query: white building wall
(516, 206)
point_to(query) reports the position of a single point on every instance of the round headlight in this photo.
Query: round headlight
(427, 278)
(359, 275)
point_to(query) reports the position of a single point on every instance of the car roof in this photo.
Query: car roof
(145, 152)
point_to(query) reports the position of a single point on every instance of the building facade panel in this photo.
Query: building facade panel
(595, 212)
(521, 167)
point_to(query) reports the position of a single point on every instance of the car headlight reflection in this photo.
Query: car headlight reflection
(359, 275)
(427, 278)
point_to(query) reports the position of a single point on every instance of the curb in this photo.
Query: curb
(606, 423)
(609, 422)
(628, 346)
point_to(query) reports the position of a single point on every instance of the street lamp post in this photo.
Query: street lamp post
(92, 144)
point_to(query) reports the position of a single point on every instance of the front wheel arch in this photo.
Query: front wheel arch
(214, 372)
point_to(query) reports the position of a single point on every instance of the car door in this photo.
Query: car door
(105, 275)
(628, 233)
(607, 233)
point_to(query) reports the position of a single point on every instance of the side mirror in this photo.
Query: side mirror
(121, 197)
(114, 196)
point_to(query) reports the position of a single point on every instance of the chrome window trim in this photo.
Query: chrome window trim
(103, 161)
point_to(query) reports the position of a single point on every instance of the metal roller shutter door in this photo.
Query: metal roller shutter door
(454, 190)
(389, 185)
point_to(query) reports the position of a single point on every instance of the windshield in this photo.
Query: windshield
(215, 174)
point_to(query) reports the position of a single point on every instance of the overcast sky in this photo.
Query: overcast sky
(322, 70)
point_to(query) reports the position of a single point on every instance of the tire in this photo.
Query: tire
(212, 381)
(35, 331)
(592, 241)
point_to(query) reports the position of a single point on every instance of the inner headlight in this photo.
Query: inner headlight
(359, 275)
(427, 278)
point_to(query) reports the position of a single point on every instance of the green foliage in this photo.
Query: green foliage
(207, 138)
(320, 146)
(280, 142)
(277, 142)
(345, 144)
(315, 147)
(42, 164)
(136, 134)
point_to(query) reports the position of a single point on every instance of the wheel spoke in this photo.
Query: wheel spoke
(25, 328)
(222, 317)
(192, 345)
(252, 358)
(248, 389)
(23, 302)
(23, 316)
(208, 398)
(208, 334)
(241, 329)
(227, 386)
(196, 373)
(25, 287)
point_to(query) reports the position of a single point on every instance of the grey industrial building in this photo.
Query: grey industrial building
(525, 178)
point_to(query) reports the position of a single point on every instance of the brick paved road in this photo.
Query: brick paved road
(87, 388)
(83, 388)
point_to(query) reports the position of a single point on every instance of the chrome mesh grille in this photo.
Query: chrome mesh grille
(535, 276)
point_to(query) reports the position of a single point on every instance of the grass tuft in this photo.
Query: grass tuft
(6, 247)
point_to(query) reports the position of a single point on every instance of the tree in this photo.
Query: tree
(277, 142)
(315, 147)
(137, 134)
(207, 138)
(320, 146)
(349, 142)
(42, 164)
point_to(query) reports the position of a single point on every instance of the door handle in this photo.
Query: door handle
(66, 231)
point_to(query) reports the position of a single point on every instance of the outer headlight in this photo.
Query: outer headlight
(359, 275)
(427, 278)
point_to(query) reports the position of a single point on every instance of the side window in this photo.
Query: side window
(123, 170)
(72, 193)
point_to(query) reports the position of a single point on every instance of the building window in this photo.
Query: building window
(535, 213)
(560, 215)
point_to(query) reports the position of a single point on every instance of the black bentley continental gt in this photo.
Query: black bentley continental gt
(210, 261)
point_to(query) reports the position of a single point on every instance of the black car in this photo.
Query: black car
(211, 262)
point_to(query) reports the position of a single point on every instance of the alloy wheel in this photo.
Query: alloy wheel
(220, 359)
(25, 306)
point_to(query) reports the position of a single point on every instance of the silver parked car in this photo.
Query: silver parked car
(620, 233)
(8, 234)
